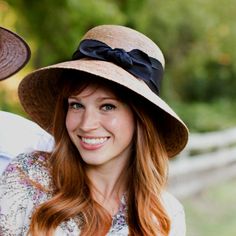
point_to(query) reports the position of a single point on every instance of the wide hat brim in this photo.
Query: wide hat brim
(14, 53)
(38, 93)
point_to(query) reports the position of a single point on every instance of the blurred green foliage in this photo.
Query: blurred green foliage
(197, 38)
(206, 117)
(58, 25)
(9, 105)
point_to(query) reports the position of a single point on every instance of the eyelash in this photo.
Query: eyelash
(77, 105)
(111, 107)
(73, 104)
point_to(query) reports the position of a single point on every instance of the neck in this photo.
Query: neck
(108, 186)
(108, 183)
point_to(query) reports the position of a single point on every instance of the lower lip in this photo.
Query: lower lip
(87, 146)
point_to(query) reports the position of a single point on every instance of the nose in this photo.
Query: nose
(89, 120)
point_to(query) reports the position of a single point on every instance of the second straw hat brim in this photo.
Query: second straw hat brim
(14, 53)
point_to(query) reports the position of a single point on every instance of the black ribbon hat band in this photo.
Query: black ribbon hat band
(135, 61)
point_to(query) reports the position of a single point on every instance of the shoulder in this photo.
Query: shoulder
(12, 143)
(176, 213)
(171, 203)
(31, 167)
(23, 186)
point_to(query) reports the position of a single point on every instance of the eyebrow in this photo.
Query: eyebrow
(100, 98)
(108, 98)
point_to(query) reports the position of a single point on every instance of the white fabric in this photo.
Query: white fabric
(177, 216)
(20, 135)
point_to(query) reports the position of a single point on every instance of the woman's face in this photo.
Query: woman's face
(100, 126)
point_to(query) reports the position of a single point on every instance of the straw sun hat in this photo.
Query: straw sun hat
(115, 53)
(14, 53)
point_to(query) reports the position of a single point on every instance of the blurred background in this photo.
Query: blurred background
(198, 39)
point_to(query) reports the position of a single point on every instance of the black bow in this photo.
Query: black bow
(136, 61)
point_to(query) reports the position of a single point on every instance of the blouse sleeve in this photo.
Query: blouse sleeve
(176, 213)
(18, 196)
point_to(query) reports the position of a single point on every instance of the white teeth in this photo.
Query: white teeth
(94, 141)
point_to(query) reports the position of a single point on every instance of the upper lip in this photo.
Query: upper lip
(92, 137)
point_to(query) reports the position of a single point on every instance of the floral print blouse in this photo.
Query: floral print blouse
(23, 187)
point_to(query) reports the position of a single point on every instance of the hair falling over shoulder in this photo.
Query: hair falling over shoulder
(149, 169)
(72, 197)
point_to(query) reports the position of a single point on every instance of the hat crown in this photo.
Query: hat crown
(126, 38)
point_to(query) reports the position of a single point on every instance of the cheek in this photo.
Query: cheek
(71, 122)
(122, 125)
(113, 122)
(129, 127)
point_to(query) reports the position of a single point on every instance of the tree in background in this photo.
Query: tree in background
(56, 26)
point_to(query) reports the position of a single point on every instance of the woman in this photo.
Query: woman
(113, 137)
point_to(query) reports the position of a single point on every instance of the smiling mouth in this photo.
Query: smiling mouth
(93, 141)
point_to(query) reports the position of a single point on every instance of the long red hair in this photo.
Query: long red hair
(72, 196)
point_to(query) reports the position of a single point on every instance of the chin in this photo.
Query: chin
(93, 162)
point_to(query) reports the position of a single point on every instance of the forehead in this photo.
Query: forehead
(98, 90)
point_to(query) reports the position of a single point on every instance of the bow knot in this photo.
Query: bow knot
(120, 56)
(135, 61)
